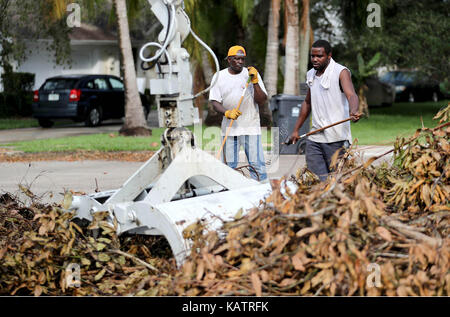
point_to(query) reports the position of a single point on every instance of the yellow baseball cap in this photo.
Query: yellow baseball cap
(236, 50)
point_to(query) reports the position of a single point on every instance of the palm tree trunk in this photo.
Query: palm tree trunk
(208, 71)
(271, 67)
(291, 84)
(363, 106)
(135, 123)
(199, 84)
(305, 31)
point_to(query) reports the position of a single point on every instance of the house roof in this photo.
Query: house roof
(90, 32)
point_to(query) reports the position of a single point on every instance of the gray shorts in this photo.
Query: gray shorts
(318, 156)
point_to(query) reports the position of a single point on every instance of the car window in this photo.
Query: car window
(100, 84)
(405, 78)
(89, 84)
(388, 77)
(116, 84)
(59, 83)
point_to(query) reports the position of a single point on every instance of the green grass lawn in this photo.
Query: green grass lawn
(207, 138)
(399, 120)
(17, 123)
(93, 142)
(27, 122)
(381, 128)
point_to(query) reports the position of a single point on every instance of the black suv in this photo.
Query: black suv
(88, 98)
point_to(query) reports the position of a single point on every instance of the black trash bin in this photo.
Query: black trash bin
(285, 111)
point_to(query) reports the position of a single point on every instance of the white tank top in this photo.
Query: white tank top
(328, 106)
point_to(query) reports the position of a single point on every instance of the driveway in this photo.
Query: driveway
(25, 134)
(71, 129)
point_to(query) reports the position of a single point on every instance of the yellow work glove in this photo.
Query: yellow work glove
(253, 73)
(232, 114)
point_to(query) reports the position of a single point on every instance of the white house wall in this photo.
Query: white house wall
(88, 57)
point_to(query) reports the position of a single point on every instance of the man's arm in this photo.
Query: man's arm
(218, 107)
(304, 113)
(260, 96)
(349, 91)
(230, 114)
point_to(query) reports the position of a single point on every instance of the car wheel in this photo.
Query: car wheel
(45, 123)
(411, 97)
(94, 117)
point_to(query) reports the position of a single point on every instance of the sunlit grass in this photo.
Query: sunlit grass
(385, 124)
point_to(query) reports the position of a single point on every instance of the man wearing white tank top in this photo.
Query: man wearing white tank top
(330, 98)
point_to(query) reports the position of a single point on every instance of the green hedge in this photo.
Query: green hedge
(17, 96)
(16, 104)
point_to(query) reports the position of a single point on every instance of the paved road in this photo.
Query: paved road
(50, 178)
(15, 135)
(70, 129)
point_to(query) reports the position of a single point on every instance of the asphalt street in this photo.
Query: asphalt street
(24, 134)
(49, 179)
(69, 129)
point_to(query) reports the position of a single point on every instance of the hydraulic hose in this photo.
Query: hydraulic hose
(215, 61)
(169, 36)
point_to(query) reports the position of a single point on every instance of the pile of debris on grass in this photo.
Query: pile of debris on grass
(366, 231)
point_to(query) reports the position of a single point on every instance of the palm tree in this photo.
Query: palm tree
(361, 74)
(203, 70)
(291, 84)
(271, 67)
(305, 34)
(210, 27)
(135, 123)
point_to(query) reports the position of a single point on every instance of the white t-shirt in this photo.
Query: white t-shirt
(329, 106)
(228, 90)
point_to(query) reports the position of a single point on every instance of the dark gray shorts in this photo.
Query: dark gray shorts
(318, 156)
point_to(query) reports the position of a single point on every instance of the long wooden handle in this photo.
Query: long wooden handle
(326, 127)
(231, 123)
(319, 130)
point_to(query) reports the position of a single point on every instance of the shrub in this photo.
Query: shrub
(17, 96)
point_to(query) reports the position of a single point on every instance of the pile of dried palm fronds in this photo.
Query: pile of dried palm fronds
(366, 231)
(43, 252)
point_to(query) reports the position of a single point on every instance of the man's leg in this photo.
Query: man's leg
(231, 151)
(316, 160)
(255, 156)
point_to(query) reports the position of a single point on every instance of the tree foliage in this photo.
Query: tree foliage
(413, 34)
(25, 21)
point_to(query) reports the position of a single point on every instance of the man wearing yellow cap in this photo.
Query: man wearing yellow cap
(246, 130)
